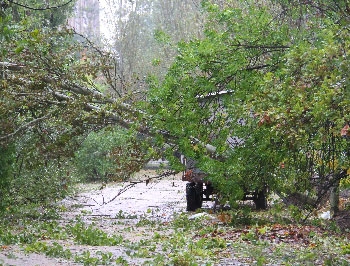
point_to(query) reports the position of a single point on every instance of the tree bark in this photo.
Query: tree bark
(334, 198)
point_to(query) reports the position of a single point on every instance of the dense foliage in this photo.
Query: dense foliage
(32, 48)
(270, 92)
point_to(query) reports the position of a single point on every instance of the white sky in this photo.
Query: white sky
(106, 27)
(108, 9)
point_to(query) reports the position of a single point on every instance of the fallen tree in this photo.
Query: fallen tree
(56, 91)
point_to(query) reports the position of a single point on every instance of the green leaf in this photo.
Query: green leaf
(35, 33)
(19, 49)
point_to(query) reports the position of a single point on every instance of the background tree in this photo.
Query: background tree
(42, 13)
(144, 37)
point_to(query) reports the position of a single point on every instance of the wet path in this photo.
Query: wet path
(158, 201)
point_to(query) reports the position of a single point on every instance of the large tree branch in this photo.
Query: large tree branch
(25, 126)
(261, 46)
(62, 97)
(11, 66)
(75, 88)
(124, 115)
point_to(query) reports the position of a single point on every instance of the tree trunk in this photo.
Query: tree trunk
(334, 198)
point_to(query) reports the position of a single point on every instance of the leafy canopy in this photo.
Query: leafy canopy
(270, 92)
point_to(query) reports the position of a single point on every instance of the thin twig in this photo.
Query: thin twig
(133, 183)
(40, 8)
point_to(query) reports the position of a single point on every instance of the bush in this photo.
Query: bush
(42, 184)
(110, 154)
(6, 163)
(28, 178)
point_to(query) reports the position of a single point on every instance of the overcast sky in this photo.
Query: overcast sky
(105, 19)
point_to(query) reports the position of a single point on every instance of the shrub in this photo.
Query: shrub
(6, 164)
(109, 154)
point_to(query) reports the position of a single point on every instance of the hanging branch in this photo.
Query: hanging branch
(40, 8)
(26, 126)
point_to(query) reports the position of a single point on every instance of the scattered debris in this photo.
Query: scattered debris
(325, 215)
(202, 215)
